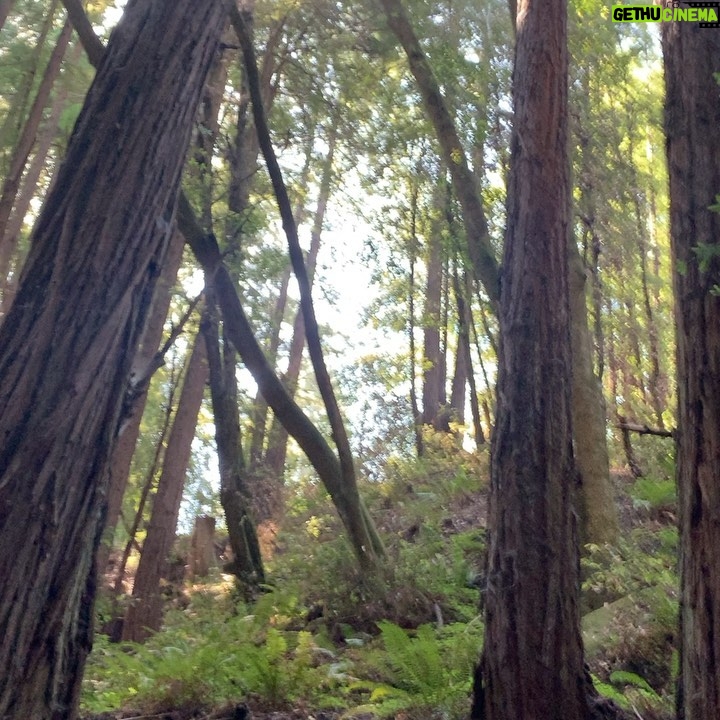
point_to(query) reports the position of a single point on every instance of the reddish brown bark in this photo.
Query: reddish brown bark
(692, 121)
(144, 614)
(67, 343)
(532, 664)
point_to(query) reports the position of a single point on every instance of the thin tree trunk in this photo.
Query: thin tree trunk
(596, 503)
(417, 416)
(432, 366)
(464, 181)
(247, 562)
(144, 495)
(144, 614)
(464, 321)
(371, 549)
(68, 340)
(8, 247)
(361, 531)
(692, 121)
(29, 133)
(16, 114)
(532, 664)
(277, 442)
(260, 407)
(144, 366)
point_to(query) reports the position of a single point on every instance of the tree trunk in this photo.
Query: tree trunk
(432, 363)
(234, 494)
(68, 340)
(29, 133)
(692, 121)
(144, 614)
(15, 115)
(532, 664)
(360, 529)
(464, 183)
(202, 547)
(9, 257)
(143, 367)
(596, 504)
(277, 442)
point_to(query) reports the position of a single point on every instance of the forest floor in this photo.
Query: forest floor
(324, 643)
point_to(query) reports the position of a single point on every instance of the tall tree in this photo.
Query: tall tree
(144, 614)
(692, 120)
(69, 338)
(532, 663)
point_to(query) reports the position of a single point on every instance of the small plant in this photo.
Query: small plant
(428, 672)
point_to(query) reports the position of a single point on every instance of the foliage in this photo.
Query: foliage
(428, 672)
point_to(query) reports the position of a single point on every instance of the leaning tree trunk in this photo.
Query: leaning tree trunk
(692, 120)
(532, 664)
(144, 615)
(68, 340)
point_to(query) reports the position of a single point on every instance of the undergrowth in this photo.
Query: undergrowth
(400, 643)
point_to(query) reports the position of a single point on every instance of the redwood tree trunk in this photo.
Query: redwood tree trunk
(144, 614)
(68, 340)
(692, 120)
(532, 665)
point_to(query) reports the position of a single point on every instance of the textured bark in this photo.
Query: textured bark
(144, 614)
(692, 119)
(532, 664)
(144, 365)
(68, 340)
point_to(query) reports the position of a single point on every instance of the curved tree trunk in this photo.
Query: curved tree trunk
(69, 338)
(692, 121)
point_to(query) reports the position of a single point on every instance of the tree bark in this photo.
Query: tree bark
(144, 366)
(68, 340)
(692, 121)
(480, 248)
(532, 664)
(247, 562)
(144, 614)
(202, 547)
